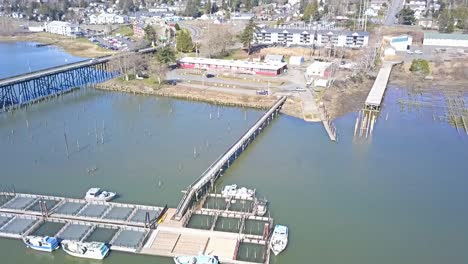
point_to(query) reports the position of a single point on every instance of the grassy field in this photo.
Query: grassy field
(80, 47)
(126, 31)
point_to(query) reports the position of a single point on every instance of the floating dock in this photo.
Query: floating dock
(142, 229)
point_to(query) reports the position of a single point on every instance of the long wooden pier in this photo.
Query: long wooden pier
(210, 175)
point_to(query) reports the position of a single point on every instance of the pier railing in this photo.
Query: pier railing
(216, 166)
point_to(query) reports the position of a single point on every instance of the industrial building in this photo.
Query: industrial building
(234, 66)
(307, 37)
(400, 43)
(445, 40)
(319, 73)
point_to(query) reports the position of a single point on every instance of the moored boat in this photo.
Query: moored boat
(91, 250)
(241, 193)
(200, 259)
(96, 194)
(41, 243)
(260, 207)
(279, 239)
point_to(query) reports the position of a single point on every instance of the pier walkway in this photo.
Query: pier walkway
(26, 88)
(376, 94)
(217, 167)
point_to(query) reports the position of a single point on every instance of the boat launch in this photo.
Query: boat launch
(96, 194)
(46, 243)
(200, 259)
(241, 193)
(279, 239)
(91, 250)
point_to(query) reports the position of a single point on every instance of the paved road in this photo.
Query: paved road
(195, 31)
(393, 10)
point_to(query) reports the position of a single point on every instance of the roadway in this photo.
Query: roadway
(393, 9)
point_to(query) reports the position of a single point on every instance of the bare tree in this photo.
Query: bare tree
(6, 26)
(217, 41)
(158, 70)
(129, 63)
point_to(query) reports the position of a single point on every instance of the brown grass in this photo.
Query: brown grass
(75, 46)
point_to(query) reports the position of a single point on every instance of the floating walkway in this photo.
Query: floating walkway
(216, 168)
(142, 229)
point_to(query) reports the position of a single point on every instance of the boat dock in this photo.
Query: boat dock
(203, 222)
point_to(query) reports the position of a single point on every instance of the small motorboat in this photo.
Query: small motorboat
(260, 207)
(279, 239)
(91, 250)
(41, 243)
(96, 194)
(200, 259)
(234, 192)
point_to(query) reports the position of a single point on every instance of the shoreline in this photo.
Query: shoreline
(292, 107)
(79, 47)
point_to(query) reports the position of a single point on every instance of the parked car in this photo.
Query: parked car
(262, 92)
(299, 89)
(409, 52)
(418, 52)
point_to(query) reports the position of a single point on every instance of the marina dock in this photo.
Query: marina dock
(203, 222)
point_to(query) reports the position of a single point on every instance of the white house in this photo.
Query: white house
(105, 18)
(62, 28)
(308, 37)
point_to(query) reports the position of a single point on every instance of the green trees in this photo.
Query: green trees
(446, 22)
(406, 16)
(150, 34)
(166, 55)
(208, 7)
(247, 36)
(420, 66)
(184, 41)
(191, 8)
(311, 11)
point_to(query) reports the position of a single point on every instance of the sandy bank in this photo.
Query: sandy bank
(80, 47)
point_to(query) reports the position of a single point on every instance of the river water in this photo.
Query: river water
(397, 197)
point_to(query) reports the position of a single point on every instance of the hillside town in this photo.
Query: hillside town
(325, 53)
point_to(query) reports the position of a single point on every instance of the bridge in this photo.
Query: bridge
(223, 162)
(26, 88)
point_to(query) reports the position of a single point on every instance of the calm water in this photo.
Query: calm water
(398, 197)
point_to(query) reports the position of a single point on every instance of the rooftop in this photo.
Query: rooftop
(433, 35)
(235, 63)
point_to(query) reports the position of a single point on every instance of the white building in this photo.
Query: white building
(400, 43)
(105, 18)
(445, 40)
(62, 28)
(419, 8)
(307, 37)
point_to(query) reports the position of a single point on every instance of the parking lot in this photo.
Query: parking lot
(115, 42)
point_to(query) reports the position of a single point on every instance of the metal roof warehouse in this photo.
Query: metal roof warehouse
(238, 66)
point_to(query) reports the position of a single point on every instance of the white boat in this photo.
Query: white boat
(91, 250)
(200, 259)
(260, 207)
(279, 239)
(233, 191)
(96, 194)
(41, 243)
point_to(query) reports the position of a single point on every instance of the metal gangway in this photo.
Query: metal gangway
(210, 175)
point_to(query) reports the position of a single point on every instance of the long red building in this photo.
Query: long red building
(235, 66)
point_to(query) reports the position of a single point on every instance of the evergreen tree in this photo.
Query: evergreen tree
(247, 36)
(224, 5)
(248, 4)
(184, 41)
(406, 16)
(150, 34)
(446, 22)
(208, 7)
(302, 6)
(166, 55)
(311, 11)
